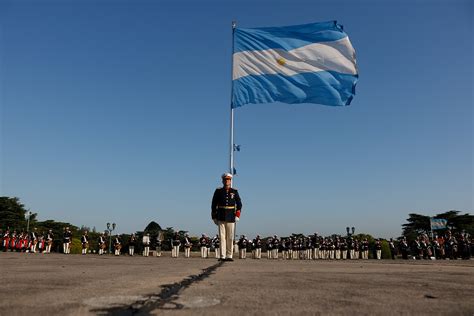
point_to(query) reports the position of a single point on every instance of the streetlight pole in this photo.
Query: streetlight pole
(110, 230)
(28, 222)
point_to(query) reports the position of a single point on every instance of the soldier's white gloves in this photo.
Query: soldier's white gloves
(215, 221)
(237, 219)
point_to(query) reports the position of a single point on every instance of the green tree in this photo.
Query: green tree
(153, 228)
(417, 224)
(13, 214)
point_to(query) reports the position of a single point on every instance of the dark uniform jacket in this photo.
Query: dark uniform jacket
(225, 204)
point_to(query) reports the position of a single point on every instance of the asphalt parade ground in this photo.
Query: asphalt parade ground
(57, 284)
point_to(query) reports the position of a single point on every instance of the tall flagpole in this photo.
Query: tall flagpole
(231, 162)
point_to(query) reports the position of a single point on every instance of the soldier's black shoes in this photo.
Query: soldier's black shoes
(229, 259)
(221, 259)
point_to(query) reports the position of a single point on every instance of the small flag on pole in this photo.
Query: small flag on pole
(310, 63)
(438, 223)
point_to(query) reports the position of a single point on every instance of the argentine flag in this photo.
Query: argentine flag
(310, 63)
(438, 223)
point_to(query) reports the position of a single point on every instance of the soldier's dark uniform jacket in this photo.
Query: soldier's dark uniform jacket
(225, 203)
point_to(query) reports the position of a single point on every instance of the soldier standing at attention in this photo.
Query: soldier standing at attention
(175, 242)
(257, 242)
(203, 245)
(187, 246)
(6, 240)
(131, 245)
(365, 249)
(269, 245)
(215, 244)
(146, 244)
(117, 245)
(393, 250)
(67, 238)
(49, 241)
(378, 249)
(225, 212)
(242, 247)
(34, 240)
(158, 246)
(85, 242)
(101, 243)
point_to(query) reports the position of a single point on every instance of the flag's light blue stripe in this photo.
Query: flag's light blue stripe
(287, 37)
(325, 87)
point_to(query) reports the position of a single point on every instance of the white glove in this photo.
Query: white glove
(215, 221)
(237, 219)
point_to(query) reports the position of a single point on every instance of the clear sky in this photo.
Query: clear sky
(119, 111)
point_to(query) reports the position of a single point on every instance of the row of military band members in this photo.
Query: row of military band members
(295, 247)
(33, 241)
(448, 246)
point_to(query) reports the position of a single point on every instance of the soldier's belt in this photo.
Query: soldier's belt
(227, 207)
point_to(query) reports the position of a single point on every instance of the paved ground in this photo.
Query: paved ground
(57, 284)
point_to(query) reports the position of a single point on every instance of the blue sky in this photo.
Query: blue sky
(119, 111)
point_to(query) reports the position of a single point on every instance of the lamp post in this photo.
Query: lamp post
(110, 230)
(348, 230)
(28, 221)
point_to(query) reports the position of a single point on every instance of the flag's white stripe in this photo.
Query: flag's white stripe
(336, 56)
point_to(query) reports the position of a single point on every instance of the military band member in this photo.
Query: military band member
(378, 249)
(187, 246)
(426, 251)
(314, 246)
(451, 245)
(295, 248)
(6, 240)
(404, 248)
(284, 248)
(356, 249)
(13, 241)
(436, 247)
(365, 249)
(243, 247)
(257, 245)
(225, 212)
(203, 245)
(23, 242)
(41, 243)
(34, 240)
(146, 244)
(269, 246)
(101, 243)
(117, 245)
(131, 245)
(337, 248)
(49, 241)
(158, 246)
(85, 242)
(303, 248)
(67, 239)
(176, 243)
(393, 250)
(323, 248)
(216, 246)
(309, 248)
(343, 249)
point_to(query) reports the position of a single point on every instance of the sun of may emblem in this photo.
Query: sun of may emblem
(281, 61)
